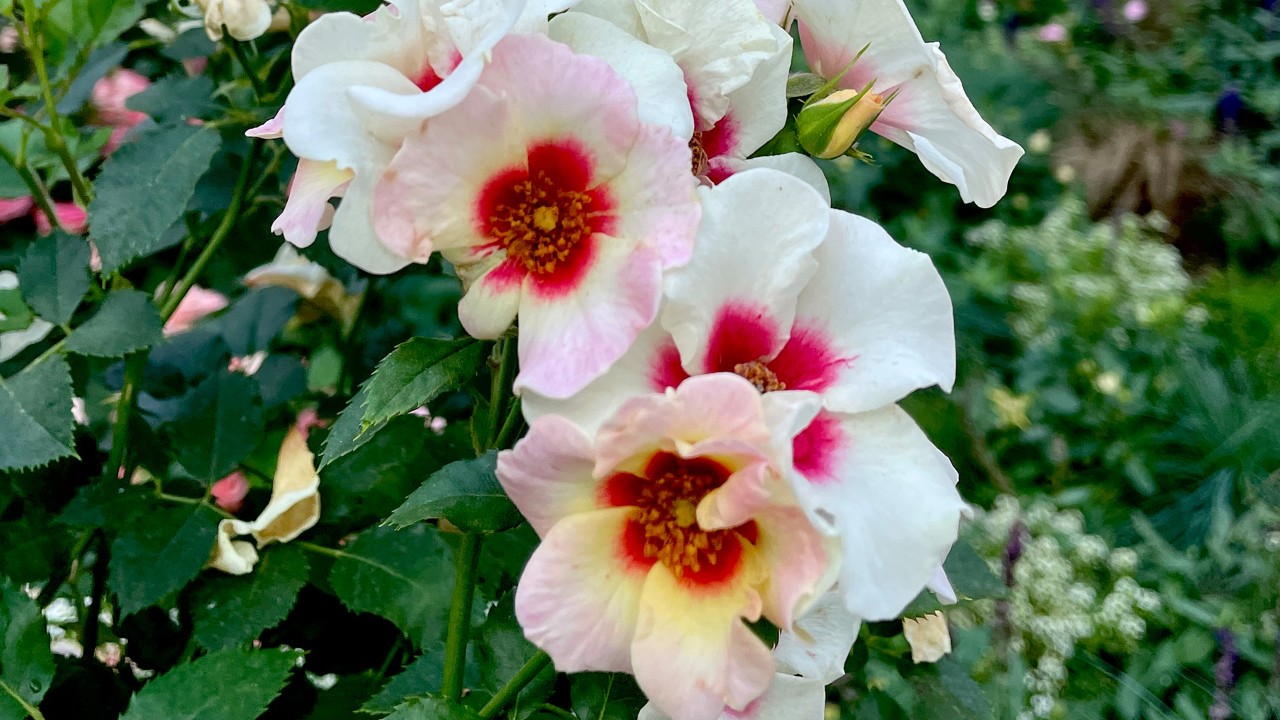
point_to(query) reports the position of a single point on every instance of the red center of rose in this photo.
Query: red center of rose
(544, 214)
(665, 525)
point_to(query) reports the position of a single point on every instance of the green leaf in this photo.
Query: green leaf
(14, 313)
(416, 372)
(420, 677)
(176, 98)
(501, 650)
(347, 434)
(54, 276)
(35, 412)
(220, 425)
(404, 576)
(159, 552)
(225, 685)
(432, 708)
(127, 321)
(606, 696)
(969, 574)
(26, 664)
(144, 188)
(232, 610)
(951, 693)
(466, 493)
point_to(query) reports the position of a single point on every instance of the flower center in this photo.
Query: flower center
(667, 505)
(700, 157)
(758, 374)
(540, 223)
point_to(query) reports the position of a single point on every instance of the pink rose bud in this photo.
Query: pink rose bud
(14, 208)
(197, 303)
(71, 217)
(229, 492)
(111, 92)
(307, 419)
(1053, 33)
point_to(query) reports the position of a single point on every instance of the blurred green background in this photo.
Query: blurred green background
(1118, 399)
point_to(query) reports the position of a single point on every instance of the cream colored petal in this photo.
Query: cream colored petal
(928, 636)
(235, 557)
(295, 498)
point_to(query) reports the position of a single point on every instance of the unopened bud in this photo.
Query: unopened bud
(830, 126)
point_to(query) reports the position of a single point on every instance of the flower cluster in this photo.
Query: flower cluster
(710, 356)
(1071, 592)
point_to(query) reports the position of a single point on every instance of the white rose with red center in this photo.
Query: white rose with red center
(563, 213)
(797, 298)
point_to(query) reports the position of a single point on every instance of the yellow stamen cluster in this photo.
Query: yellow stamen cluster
(700, 157)
(542, 228)
(668, 512)
(759, 375)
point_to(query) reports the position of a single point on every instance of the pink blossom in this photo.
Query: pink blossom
(661, 534)
(564, 215)
(1135, 10)
(308, 418)
(1052, 33)
(71, 217)
(197, 303)
(230, 491)
(14, 208)
(110, 94)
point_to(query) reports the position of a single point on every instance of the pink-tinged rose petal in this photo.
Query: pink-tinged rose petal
(197, 303)
(14, 208)
(307, 210)
(195, 66)
(229, 492)
(71, 217)
(580, 593)
(692, 653)
(272, 129)
(1135, 10)
(110, 94)
(789, 698)
(308, 418)
(548, 475)
(798, 557)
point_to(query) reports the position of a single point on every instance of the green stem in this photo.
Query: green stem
(507, 436)
(133, 367)
(500, 389)
(215, 241)
(53, 133)
(194, 501)
(30, 709)
(237, 49)
(464, 588)
(508, 692)
(90, 636)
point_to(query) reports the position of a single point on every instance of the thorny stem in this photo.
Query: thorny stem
(53, 132)
(508, 692)
(133, 367)
(464, 588)
(237, 49)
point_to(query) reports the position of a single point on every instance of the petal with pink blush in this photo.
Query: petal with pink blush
(656, 200)
(579, 597)
(734, 301)
(817, 646)
(650, 71)
(890, 496)
(570, 339)
(272, 129)
(419, 200)
(14, 208)
(876, 318)
(548, 475)
(693, 655)
(718, 408)
(798, 562)
(641, 370)
(197, 303)
(307, 210)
